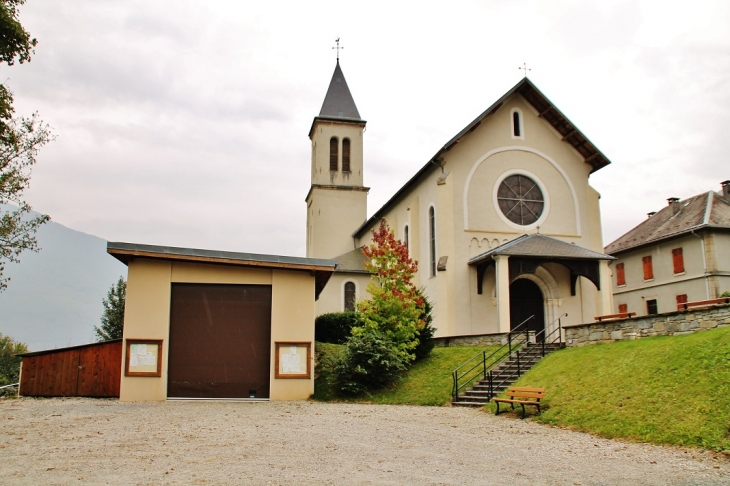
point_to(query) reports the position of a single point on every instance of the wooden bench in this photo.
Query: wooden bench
(522, 396)
(620, 315)
(703, 303)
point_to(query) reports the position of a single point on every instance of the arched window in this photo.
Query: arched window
(518, 129)
(350, 296)
(346, 155)
(432, 237)
(333, 153)
(405, 237)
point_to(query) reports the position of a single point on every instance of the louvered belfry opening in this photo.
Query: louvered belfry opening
(220, 341)
(333, 153)
(346, 155)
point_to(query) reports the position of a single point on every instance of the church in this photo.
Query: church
(502, 219)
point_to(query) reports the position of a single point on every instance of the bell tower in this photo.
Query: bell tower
(337, 199)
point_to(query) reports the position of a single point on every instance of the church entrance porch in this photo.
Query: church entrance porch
(526, 300)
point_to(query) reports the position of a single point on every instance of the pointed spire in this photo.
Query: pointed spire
(338, 102)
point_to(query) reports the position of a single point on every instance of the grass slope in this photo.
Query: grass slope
(664, 390)
(428, 382)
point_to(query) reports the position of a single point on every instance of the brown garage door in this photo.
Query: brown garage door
(220, 341)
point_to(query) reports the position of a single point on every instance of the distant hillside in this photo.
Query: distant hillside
(54, 297)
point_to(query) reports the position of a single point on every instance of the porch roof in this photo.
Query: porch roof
(540, 246)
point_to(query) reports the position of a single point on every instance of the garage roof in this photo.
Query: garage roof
(322, 269)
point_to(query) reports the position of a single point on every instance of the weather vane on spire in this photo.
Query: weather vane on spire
(338, 48)
(521, 68)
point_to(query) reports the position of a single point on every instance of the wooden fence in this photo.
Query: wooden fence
(90, 370)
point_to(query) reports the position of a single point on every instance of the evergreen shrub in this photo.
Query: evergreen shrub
(335, 327)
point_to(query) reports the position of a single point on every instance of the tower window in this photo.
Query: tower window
(405, 236)
(346, 155)
(432, 237)
(350, 296)
(516, 124)
(334, 162)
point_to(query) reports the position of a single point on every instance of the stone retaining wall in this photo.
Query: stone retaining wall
(482, 340)
(667, 324)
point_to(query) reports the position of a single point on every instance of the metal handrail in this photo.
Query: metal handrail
(483, 362)
(494, 377)
(488, 372)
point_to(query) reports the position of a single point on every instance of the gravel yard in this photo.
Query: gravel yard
(62, 441)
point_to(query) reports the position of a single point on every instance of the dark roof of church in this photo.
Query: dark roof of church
(338, 102)
(706, 210)
(321, 268)
(541, 246)
(351, 262)
(546, 110)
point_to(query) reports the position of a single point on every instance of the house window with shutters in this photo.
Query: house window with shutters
(432, 239)
(334, 160)
(678, 260)
(620, 275)
(648, 268)
(681, 299)
(346, 155)
(623, 308)
(350, 294)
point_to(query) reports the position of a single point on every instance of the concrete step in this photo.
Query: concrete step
(467, 404)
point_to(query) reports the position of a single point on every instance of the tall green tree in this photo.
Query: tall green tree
(20, 139)
(9, 364)
(112, 320)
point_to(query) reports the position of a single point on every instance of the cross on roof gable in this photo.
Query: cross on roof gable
(546, 110)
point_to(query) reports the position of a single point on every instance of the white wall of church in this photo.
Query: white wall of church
(322, 132)
(468, 223)
(332, 216)
(332, 298)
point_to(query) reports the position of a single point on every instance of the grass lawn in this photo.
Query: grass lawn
(664, 390)
(428, 382)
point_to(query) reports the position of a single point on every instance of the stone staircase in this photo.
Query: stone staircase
(504, 374)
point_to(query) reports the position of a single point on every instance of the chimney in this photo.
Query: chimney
(674, 204)
(649, 215)
(725, 190)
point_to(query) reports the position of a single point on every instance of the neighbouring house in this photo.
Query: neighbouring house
(215, 324)
(502, 218)
(679, 254)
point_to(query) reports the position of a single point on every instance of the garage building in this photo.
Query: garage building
(203, 324)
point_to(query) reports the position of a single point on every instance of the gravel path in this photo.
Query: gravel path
(62, 441)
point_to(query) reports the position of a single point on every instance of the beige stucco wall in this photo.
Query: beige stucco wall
(332, 216)
(468, 223)
(332, 298)
(323, 131)
(706, 275)
(147, 316)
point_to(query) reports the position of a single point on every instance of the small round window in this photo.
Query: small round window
(520, 199)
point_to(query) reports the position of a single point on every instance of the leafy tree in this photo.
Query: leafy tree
(20, 139)
(9, 364)
(385, 343)
(112, 320)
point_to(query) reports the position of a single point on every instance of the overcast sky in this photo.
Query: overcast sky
(185, 123)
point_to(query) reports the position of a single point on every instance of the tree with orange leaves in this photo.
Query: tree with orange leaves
(384, 344)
